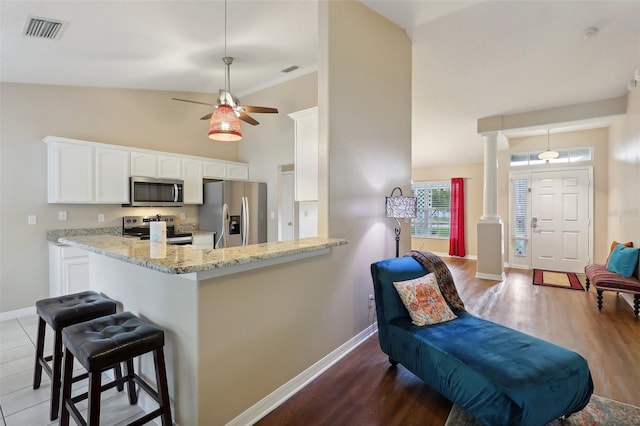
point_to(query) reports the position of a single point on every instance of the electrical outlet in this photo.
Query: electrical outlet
(371, 301)
(100, 217)
(62, 215)
(183, 216)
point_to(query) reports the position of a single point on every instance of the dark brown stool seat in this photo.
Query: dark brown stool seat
(101, 343)
(60, 312)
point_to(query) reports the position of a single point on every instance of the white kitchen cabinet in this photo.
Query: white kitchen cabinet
(70, 172)
(86, 172)
(144, 164)
(112, 175)
(192, 170)
(306, 154)
(215, 169)
(170, 166)
(68, 270)
(238, 171)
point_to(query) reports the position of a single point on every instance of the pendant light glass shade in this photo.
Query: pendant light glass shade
(225, 125)
(548, 154)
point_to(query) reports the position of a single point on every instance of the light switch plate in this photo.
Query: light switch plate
(100, 217)
(31, 219)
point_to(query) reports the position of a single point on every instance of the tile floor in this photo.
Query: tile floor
(20, 404)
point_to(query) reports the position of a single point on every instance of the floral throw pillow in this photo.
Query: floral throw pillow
(422, 298)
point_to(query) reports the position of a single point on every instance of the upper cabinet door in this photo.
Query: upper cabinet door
(169, 166)
(70, 173)
(238, 171)
(192, 169)
(215, 169)
(144, 164)
(112, 176)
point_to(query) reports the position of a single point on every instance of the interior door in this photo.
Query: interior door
(560, 220)
(286, 209)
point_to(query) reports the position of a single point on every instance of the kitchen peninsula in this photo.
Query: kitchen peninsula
(209, 302)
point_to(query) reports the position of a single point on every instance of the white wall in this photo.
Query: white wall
(623, 211)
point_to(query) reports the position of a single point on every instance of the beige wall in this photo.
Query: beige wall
(293, 315)
(623, 213)
(473, 187)
(595, 138)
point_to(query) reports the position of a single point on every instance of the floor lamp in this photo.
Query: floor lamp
(400, 207)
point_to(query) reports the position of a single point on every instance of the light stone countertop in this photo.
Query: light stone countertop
(187, 259)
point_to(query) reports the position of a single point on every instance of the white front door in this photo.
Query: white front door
(560, 235)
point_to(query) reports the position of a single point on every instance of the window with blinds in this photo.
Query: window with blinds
(519, 211)
(434, 210)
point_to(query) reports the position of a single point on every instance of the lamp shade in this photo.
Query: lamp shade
(225, 125)
(401, 207)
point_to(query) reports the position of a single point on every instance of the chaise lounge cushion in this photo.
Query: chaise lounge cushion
(422, 298)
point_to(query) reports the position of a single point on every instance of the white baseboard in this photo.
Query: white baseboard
(17, 313)
(493, 277)
(286, 391)
(469, 257)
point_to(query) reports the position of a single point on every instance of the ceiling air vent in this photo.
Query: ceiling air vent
(44, 28)
(289, 69)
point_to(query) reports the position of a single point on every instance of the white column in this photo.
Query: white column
(490, 228)
(490, 195)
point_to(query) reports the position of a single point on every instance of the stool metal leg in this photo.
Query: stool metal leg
(37, 375)
(66, 387)
(163, 389)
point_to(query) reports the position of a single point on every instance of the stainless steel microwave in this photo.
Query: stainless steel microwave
(152, 192)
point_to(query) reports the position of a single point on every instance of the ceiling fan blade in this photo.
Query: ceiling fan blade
(193, 102)
(244, 117)
(207, 117)
(259, 109)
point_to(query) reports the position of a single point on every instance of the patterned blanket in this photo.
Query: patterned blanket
(433, 263)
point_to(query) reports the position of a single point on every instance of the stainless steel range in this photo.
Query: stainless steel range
(138, 226)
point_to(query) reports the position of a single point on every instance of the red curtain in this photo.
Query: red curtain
(456, 236)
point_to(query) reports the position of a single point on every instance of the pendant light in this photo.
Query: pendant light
(225, 124)
(548, 154)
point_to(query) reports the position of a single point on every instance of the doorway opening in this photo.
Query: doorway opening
(550, 219)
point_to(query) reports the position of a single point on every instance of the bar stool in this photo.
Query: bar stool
(101, 343)
(60, 312)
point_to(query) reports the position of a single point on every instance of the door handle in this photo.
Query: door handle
(534, 222)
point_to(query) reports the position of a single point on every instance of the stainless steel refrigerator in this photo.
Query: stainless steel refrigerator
(236, 211)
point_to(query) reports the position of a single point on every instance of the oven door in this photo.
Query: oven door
(150, 192)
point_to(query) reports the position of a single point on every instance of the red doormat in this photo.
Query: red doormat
(556, 279)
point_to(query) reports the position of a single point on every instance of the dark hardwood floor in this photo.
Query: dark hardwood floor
(364, 389)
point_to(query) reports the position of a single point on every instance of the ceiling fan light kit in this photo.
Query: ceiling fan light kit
(225, 125)
(225, 118)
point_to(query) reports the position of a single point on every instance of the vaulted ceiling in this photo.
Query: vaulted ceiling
(470, 59)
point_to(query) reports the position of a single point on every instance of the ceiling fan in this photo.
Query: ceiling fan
(227, 113)
(226, 98)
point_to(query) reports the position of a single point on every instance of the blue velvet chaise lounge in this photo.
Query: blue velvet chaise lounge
(499, 375)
